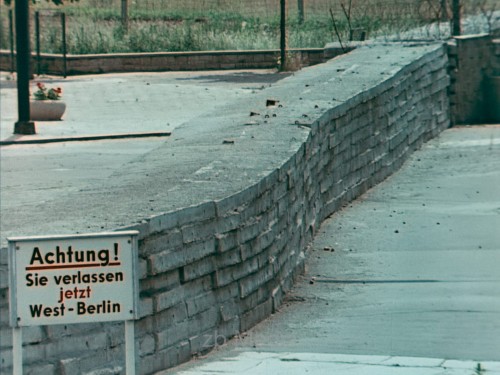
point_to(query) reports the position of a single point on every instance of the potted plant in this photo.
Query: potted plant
(47, 104)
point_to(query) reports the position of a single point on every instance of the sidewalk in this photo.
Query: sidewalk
(259, 363)
(148, 102)
(403, 281)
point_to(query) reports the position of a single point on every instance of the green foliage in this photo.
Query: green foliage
(56, 2)
(45, 93)
(95, 26)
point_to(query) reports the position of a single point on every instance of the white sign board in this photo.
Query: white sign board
(73, 279)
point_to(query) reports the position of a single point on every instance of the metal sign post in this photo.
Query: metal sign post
(73, 279)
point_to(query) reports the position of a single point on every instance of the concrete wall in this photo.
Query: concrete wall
(213, 270)
(169, 61)
(474, 61)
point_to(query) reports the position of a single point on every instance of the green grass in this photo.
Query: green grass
(94, 26)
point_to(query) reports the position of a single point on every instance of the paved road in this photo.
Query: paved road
(409, 270)
(43, 185)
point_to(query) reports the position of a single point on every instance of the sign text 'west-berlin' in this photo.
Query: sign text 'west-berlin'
(73, 279)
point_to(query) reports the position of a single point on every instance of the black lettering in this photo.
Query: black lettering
(105, 307)
(60, 256)
(36, 256)
(36, 310)
(103, 256)
(29, 279)
(35, 280)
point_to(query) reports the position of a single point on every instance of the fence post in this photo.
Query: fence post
(23, 56)
(63, 29)
(11, 41)
(444, 11)
(125, 15)
(283, 36)
(456, 29)
(37, 39)
(301, 11)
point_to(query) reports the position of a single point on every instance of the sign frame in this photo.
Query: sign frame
(16, 242)
(132, 236)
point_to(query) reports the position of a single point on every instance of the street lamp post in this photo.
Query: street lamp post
(24, 125)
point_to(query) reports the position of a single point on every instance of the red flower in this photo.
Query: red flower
(40, 85)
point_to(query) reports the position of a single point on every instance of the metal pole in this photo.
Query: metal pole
(17, 351)
(11, 40)
(37, 38)
(125, 15)
(63, 29)
(283, 35)
(301, 11)
(444, 11)
(23, 55)
(129, 347)
(456, 29)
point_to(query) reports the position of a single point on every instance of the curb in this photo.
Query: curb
(14, 140)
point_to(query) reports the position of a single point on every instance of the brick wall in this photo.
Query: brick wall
(169, 61)
(213, 270)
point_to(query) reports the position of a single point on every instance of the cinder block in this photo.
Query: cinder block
(166, 318)
(251, 230)
(255, 315)
(161, 282)
(169, 260)
(228, 310)
(146, 306)
(172, 335)
(162, 242)
(197, 269)
(228, 258)
(204, 321)
(41, 369)
(254, 281)
(198, 286)
(4, 277)
(111, 370)
(200, 303)
(146, 345)
(167, 299)
(230, 222)
(200, 231)
(226, 241)
(230, 274)
(194, 214)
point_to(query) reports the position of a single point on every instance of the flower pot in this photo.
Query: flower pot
(47, 110)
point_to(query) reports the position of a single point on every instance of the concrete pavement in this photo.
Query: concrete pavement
(264, 363)
(147, 103)
(408, 275)
(41, 179)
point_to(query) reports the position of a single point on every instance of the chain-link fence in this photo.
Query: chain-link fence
(106, 26)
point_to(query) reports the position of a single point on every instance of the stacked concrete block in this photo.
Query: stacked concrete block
(471, 60)
(213, 270)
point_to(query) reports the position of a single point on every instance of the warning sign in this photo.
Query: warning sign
(73, 279)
